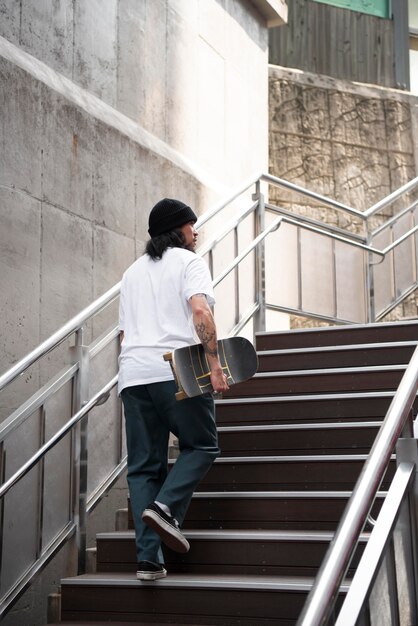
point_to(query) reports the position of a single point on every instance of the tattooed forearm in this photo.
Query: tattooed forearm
(208, 338)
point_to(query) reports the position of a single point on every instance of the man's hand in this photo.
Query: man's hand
(218, 380)
(206, 331)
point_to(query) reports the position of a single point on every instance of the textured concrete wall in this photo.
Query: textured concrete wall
(351, 142)
(105, 108)
(193, 73)
(76, 177)
(75, 197)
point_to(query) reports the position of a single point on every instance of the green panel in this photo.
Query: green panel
(380, 8)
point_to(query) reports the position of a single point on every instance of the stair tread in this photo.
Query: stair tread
(298, 426)
(230, 535)
(292, 458)
(106, 623)
(360, 333)
(277, 494)
(346, 395)
(339, 348)
(358, 369)
(285, 458)
(208, 581)
(270, 521)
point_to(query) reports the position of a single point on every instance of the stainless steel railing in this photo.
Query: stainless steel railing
(60, 335)
(388, 200)
(322, 597)
(382, 558)
(96, 400)
(77, 374)
(264, 219)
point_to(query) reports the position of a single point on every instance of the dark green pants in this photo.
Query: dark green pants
(151, 413)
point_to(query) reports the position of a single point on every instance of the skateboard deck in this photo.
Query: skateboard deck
(192, 372)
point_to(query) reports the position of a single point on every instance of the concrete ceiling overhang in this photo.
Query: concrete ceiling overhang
(273, 11)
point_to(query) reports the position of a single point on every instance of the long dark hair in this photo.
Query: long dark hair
(156, 246)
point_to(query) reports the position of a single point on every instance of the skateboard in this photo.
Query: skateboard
(191, 369)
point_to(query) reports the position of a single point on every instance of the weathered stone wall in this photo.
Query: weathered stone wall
(351, 142)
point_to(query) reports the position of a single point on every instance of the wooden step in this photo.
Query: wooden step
(304, 408)
(283, 553)
(294, 440)
(312, 510)
(396, 353)
(221, 600)
(278, 473)
(113, 623)
(267, 510)
(338, 335)
(381, 378)
(312, 438)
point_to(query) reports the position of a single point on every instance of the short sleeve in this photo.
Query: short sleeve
(198, 280)
(122, 306)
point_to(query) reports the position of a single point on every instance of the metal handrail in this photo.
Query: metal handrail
(77, 322)
(393, 220)
(207, 247)
(59, 336)
(273, 226)
(221, 205)
(280, 182)
(382, 204)
(100, 303)
(60, 434)
(274, 208)
(326, 585)
(33, 403)
(374, 550)
(325, 233)
(399, 240)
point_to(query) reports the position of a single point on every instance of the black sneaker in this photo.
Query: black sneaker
(147, 570)
(167, 527)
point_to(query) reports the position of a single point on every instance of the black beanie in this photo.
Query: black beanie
(167, 215)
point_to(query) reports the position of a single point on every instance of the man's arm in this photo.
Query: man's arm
(206, 331)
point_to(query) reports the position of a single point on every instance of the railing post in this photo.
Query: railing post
(80, 354)
(2, 477)
(260, 262)
(370, 295)
(407, 451)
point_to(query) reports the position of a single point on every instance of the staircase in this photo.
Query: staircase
(293, 442)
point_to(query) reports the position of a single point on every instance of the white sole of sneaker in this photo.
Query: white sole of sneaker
(172, 538)
(151, 575)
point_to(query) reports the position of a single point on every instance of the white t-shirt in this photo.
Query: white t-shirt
(155, 313)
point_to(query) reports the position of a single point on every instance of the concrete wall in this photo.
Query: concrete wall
(180, 109)
(106, 108)
(354, 143)
(192, 73)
